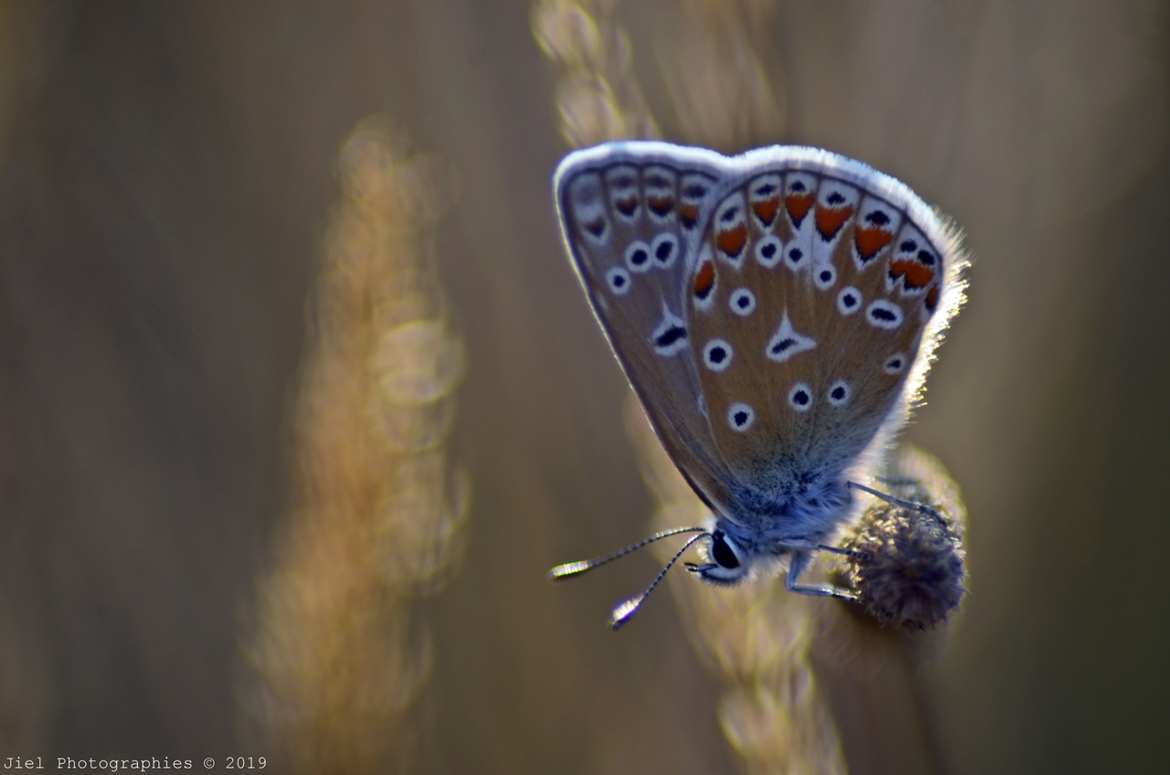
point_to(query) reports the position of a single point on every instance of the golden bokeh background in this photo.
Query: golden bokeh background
(300, 398)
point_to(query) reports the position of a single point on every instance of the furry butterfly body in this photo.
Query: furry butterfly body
(776, 313)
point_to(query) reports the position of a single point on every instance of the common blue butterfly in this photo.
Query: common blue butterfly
(776, 313)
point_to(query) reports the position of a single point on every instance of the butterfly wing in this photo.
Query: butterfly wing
(819, 287)
(629, 214)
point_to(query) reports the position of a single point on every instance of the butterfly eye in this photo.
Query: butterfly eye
(722, 553)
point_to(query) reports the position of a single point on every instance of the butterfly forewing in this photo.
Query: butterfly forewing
(806, 310)
(630, 219)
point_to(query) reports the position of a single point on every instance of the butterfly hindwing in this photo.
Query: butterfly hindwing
(630, 214)
(816, 283)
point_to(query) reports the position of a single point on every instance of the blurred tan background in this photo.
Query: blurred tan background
(170, 180)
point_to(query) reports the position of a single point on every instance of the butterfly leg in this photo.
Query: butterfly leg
(853, 553)
(808, 546)
(901, 503)
(800, 561)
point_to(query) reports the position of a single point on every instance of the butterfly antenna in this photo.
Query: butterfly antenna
(625, 610)
(566, 569)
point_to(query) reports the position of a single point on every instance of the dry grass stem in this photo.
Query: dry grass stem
(597, 96)
(721, 74)
(379, 515)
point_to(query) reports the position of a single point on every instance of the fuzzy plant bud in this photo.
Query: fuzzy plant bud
(909, 565)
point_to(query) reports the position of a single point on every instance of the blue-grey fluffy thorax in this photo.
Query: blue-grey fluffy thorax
(797, 510)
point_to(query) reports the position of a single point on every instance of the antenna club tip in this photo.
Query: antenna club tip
(624, 611)
(566, 569)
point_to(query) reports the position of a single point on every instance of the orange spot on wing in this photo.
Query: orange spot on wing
(704, 279)
(870, 241)
(932, 298)
(829, 221)
(798, 206)
(660, 205)
(688, 214)
(916, 275)
(627, 206)
(766, 210)
(732, 241)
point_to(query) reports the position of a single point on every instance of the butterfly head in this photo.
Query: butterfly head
(732, 553)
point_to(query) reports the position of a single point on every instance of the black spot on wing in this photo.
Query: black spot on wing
(670, 336)
(782, 345)
(663, 251)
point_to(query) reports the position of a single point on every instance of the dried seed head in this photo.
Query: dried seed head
(909, 568)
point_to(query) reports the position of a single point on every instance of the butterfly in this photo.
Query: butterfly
(776, 313)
